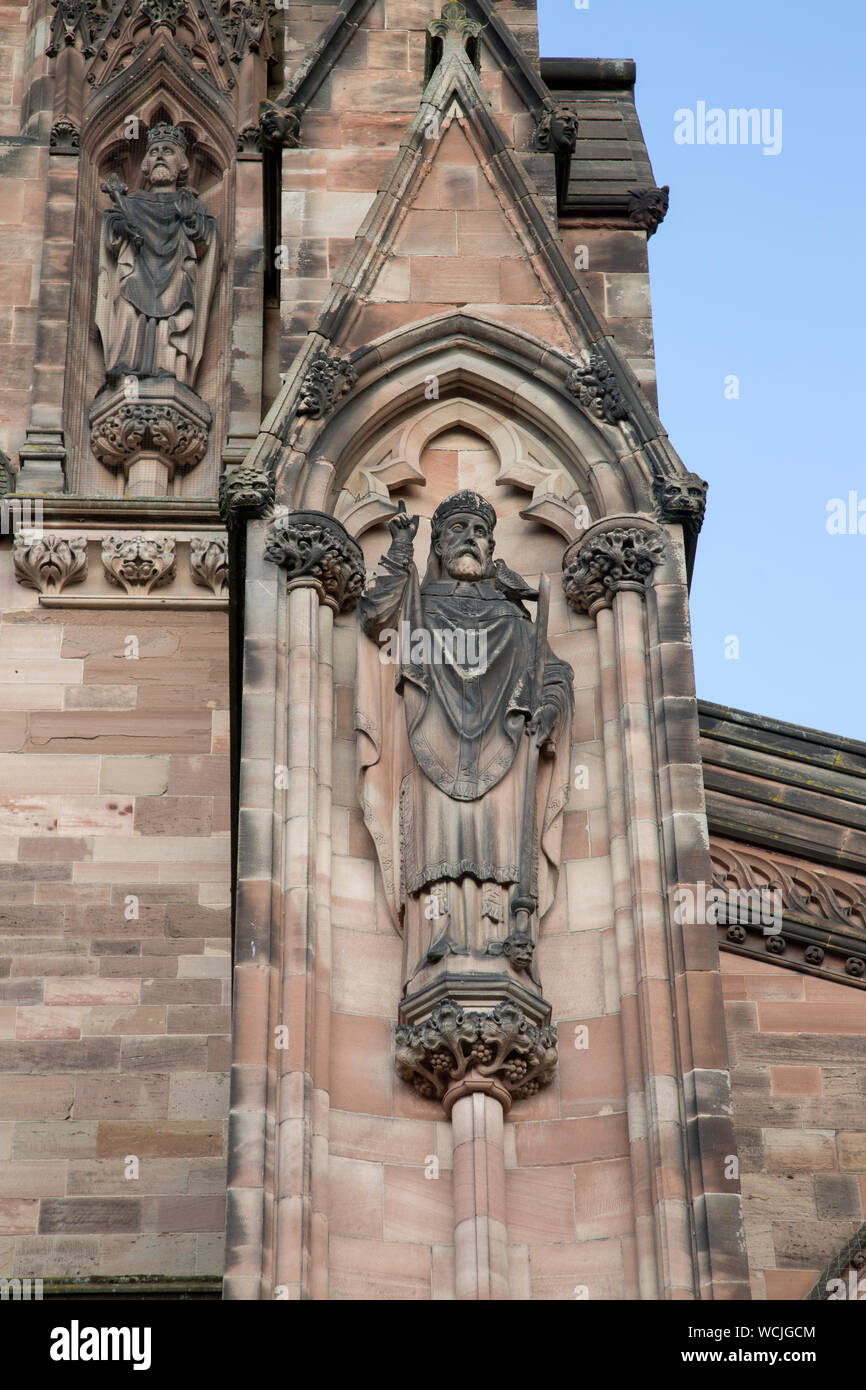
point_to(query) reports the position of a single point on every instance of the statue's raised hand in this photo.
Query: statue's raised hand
(402, 526)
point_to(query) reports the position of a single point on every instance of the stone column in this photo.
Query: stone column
(678, 1084)
(480, 1232)
(477, 1063)
(286, 1019)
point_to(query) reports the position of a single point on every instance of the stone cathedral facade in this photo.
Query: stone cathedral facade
(381, 913)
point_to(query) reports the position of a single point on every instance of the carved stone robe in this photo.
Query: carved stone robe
(442, 747)
(153, 298)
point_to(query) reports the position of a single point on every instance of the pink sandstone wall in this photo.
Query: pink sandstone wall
(114, 1030)
(797, 1057)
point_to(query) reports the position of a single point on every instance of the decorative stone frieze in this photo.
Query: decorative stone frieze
(596, 388)
(455, 1045)
(327, 379)
(648, 207)
(314, 548)
(244, 493)
(138, 563)
(49, 562)
(209, 562)
(682, 500)
(822, 915)
(594, 569)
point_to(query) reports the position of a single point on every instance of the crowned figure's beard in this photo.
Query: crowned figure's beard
(465, 567)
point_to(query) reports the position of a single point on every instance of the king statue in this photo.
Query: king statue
(157, 269)
(464, 717)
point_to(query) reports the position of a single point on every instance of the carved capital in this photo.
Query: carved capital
(682, 500)
(596, 388)
(557, 130)
(209, 562)
(502, 1047)
(280, 126)
(175, 428)
(327, 379)
(244, 493)
(49, 562)
(73, 22)
(594, 569)
(315, 549)
(65, 137)
(138, 563)
(648, 206)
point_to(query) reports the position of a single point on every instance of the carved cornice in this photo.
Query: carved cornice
(682, 500)
(501, 1047)
(49, 562)
(648, 207)
(245, 493)
(597, 567)
(209, 563)
(138, 563)
(315, 549)
(596, 388)
(823, 926)
(328, 378)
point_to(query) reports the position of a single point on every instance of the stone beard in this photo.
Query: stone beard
(443, 745)
(157, 272)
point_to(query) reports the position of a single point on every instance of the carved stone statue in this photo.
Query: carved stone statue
(458, 695)
(158, 265)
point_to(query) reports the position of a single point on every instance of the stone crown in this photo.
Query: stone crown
(159, 134)
(465, 501)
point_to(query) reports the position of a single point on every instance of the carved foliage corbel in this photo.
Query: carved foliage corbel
(49, 562)
(138, 563)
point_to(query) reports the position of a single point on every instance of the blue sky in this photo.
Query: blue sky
(758, 273)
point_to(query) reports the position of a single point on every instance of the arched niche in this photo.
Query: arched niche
(502, 382)
(112, 145)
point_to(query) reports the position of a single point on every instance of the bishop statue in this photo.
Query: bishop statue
(464, 717)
